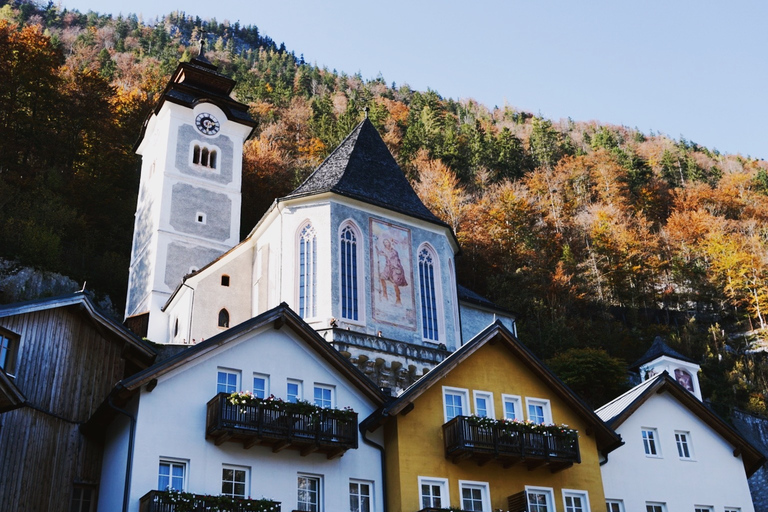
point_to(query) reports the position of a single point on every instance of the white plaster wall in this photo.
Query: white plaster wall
(171, 423)
(713, 478)
(113, 465)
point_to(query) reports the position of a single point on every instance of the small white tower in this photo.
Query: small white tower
(188, 210)
(661, 357)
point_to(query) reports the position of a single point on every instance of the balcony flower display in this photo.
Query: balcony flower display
(244, 399)
(527, 426)
(184, 501)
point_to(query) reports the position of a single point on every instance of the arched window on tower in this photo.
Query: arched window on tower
(204, 156)
(307, 272)
(429, 295)
(349, 274)
(223, 318)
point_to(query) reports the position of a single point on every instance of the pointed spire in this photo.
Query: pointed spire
(659, 349)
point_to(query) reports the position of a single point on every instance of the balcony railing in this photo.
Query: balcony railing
(466, 440)
(163, 501)
(271, 424)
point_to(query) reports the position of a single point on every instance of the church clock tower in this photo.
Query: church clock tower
(188, 210)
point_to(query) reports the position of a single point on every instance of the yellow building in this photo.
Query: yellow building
(440, 454)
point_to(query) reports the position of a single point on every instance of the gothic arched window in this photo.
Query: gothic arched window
(223, 318)
(349, 273)
(429, 295)
(307, 272)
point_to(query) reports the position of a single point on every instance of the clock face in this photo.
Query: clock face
(207, 124)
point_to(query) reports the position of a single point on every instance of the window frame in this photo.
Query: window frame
(619, 505)
(488, 397)
(485, 493)
(306, 270)
(228, 371)
(184, 464)
(464, 393)
(437, 325)
(442, 484)
(225, 279)
(224, 319)
(517, 401)
(300, 390)
(310, 477)
(549, 492)
(655, 506)
(9, 351)
(265, 378)
(684, 445)
(545, 405)
(324, 387)
(356, 282)
(576, 493)
(703, 508)
(212, 160)
(651, 442)
(360, 495)
(78, 498)
(246, 481)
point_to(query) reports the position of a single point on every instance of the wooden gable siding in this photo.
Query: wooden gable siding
(66, 366)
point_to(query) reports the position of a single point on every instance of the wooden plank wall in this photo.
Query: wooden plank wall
(65, 367)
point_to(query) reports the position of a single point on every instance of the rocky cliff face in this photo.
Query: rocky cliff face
(755, 430)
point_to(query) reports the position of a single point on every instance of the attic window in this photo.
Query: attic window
(225, 280)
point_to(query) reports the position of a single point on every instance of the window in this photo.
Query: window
(228, 381)
(224, 280)
(614, 506)
(9, 343)
(360, 498)
(575, 501)
(703, 508)
(474, 496)
(350, 285)
(293, 391)
(683, 442)
(323, 396)
(655, 507)
(234, 481)
(201, 217)
(650, 437)
(455, 401)
(204, 157)
(484, 404)
(83, 499)
(732, 509)
(512, 408)
(309, 493)
(308, 272)
(260, 385)
(540, 499)
(538, 410)
(429, 318)
(171, 475)
(433, 493)
(223, 318)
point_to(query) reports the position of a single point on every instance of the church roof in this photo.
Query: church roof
(362, 168)
(658, 349)
(467, 295)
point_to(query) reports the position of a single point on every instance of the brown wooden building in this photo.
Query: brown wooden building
(59, 359)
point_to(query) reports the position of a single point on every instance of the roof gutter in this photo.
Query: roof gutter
(363, 432)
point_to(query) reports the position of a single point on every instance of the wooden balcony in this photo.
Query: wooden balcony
(271, 424)
(162, 501)
(465, 440)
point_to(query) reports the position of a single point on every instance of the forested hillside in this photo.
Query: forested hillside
(599, 237)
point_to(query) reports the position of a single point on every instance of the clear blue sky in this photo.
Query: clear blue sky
(681, 67)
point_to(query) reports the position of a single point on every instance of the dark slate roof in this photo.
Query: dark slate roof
(657, 350)
(362, 168)
(467, 295)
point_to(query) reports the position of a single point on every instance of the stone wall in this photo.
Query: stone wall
(755, 430)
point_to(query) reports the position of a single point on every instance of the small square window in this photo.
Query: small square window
(540, 499)
(225, 280)
(512, 408)
(650, 442)
(538, 410)
(433, 493)
(732, 509)
(201, 217)
(683, 442)
(575, 501)
(614, 505)
(228, 381)
(703, 508)
(655, 507)
(360, 496)
(309, 493)
(234, 481)
(83, 499)
(171, 475)
(260, 385)
(323, 396)
(474, 496)
(484, 404)
(293, 391)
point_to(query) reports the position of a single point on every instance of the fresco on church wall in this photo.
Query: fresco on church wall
(392, 294)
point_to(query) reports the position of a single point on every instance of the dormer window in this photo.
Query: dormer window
(204, 156)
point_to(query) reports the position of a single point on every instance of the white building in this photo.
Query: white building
(172, 426)
(678, 455)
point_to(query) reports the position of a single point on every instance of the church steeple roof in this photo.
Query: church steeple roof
(362, 168)
(658, 349)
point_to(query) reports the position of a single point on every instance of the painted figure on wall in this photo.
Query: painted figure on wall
(392, 296)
